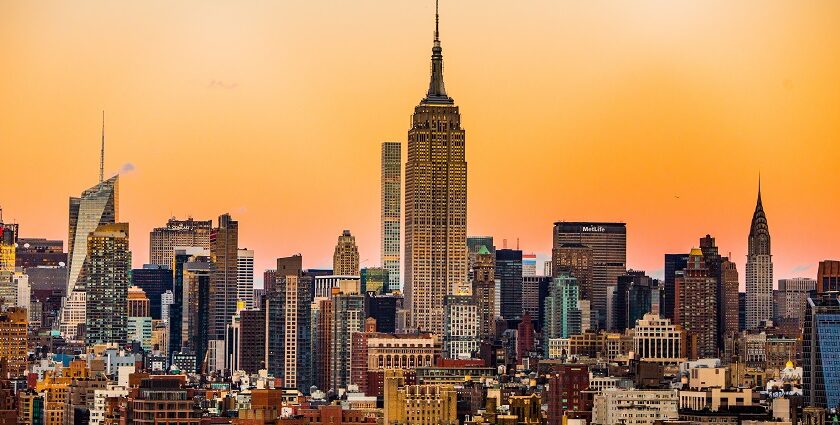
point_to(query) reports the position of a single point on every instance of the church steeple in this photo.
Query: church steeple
(437, 91)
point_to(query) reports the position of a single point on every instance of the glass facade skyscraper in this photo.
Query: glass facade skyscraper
(96, 206)
(821, 351)
(106, 271)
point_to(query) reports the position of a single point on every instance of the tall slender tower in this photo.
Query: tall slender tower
(435, 203)
(759, 269)
(96, 206)
(391, 191)
(224, 252)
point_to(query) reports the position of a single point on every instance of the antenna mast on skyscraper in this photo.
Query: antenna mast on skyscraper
(437, 19)
(102, 152)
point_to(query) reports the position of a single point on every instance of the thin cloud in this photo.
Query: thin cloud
(218, 84)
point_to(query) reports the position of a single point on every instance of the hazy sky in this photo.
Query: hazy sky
(657, 113)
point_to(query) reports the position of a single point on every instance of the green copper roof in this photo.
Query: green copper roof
(483, 250)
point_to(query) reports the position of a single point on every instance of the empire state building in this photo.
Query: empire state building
(435, 203)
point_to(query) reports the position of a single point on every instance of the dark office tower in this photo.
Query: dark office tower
(391, 191)
(635, 296)
(742, 311)
(224, 252)
(484, 292)
(534, 290)
(195, 325)
(828, 276)
(179, 310)
(39, 252)
(821, 351)
(509, 273)
(177, 233)
(759, 269)
(728, 297)
(673, 264)
(609, 255)
(154, 280)
(106, 270)
(383, 308)
(697, 306)
(435, 204)
(375, 279)
(252, 354)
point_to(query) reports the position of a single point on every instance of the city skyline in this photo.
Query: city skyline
(655, 190)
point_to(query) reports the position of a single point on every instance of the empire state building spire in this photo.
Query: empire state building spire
(435, 205)
(437, 91)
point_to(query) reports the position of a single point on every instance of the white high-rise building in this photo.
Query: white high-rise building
(657, 340)
(166, 300)
(460, 327)
(391, 183)
(245, 277)
(759, 269)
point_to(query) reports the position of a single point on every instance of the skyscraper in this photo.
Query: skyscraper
(608, 242)
(224, 252)
(177, 233)
(759, 269)
(107, 264)
(435, 203)
(391, 191)
(509, 273)
(828, 276)
(346, 255)
(460, 327)
(484, 291)
(728, 303)
(245, 277)
(96, 206)
(154, 280)
(821, 351)
(635, 296)
(792, 298)
(673, 264)
(696, 309)
(8, 239)
(529, 264)
(562, 314)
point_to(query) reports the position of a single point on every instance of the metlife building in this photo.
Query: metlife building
(608, 242)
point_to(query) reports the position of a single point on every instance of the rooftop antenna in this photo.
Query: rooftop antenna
(102, 152)
(437, 21)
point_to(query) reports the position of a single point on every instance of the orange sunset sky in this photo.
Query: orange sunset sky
(660, 113)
